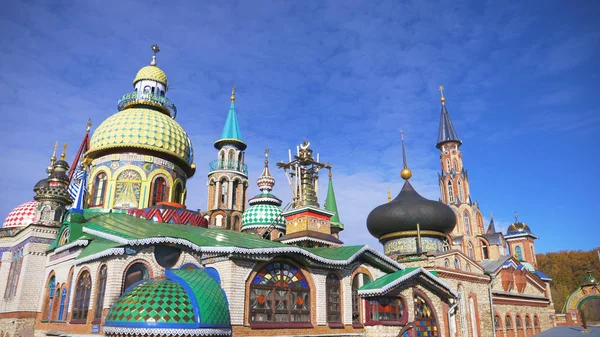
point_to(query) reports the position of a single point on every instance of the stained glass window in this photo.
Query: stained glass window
(389, 309)
(98, 190)
(82, 297)
(160, 191)
(279, 293)
(64, 237)
(519, 323)
(497, 322)
(51, 288)
(536, 322)
(334, 305)
(61, 307)
(527, 322)
(508, 323)
(425, 324)
(100, 290)
(13, 273)
(518, 254)
(127, 194)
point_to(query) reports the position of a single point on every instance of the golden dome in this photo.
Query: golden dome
(143, 129)
(518, 227)
(152, 73)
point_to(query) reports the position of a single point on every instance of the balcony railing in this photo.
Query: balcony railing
(135, 97)
(231, 165)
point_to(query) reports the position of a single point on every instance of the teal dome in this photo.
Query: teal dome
(186, 302)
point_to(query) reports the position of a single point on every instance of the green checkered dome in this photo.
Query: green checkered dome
(264, 209)
(186, 302)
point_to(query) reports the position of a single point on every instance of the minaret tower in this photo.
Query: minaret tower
(456, 192)
(228, 176)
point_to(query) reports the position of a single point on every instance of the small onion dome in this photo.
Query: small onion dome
(518, 227)
(22, 215)
(590, 280)
(406, 211)
(145, 129)
(152, 73)
(186, 303)
(41, 184)
(266, 181)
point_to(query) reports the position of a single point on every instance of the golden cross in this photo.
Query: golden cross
(233, 93)
(442, 90)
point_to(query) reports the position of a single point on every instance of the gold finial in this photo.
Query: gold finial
(405, 173)
(389, 195)
(330, 175)
(443, 99)
(233, 93)
(266, 157)
(53, 158)
(63, 155)
(155, 50)
(88, 126)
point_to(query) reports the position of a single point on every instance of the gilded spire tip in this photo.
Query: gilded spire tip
(233, 93)
(389, 194)
(88, 126)
(63, 155)
(443, 99)
(405, 173)
(53, 158)
(516, 216)
(266, 157)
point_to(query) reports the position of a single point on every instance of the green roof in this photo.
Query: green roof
(124, 229)
(388, 282)
(331, 205)
(98, 248)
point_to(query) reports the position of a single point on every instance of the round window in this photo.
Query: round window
(166, 256)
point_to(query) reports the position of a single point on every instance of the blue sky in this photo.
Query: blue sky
(521, 83)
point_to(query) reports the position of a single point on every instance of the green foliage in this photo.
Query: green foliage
(568, 269)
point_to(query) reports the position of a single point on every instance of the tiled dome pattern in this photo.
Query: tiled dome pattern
(145, 129)
(152, 73)
(262, 214)
(21, 215)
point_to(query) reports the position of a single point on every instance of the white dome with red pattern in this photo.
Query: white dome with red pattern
(22, 215)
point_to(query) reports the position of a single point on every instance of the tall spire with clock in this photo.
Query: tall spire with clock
(228, 176)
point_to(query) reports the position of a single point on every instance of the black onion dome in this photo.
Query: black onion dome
(41, 184)
(406, 211)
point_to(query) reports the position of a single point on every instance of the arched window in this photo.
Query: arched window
(484, 250)
(13, 273)
(447, 263)
(425, 323)
(98, 190)
(527, 322)
(456, 263)
(355, 300)
(162, 93)
(160, 191)
(518, 253)
(127, 191)
(63, 302)
(467, 223)
(147, 89)
(455, 163)
(508, 322)
(82, 297)
(236, 222)
(334, 301)
(461, 194)
(450, 191)
(467, 268)
(518, 322)
(100, 290)
(50, 300)
(178, 195)
(135, 273)
(219, 220)
(279, 294)
(224, 191)
(536, 322)
(474, 323)
(448, 165)
(497, 322)
(234, 192)
(471, 251)
(64, 237)
(231, 158)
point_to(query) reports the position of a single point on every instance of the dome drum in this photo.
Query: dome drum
(136, 99)
(411, 244)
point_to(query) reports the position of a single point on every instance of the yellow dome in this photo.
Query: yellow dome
(153, 73)
(144, 129)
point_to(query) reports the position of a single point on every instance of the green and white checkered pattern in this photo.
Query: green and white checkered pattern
(262, 215)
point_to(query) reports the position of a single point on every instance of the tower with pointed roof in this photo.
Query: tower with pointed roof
(228, 176)
(521, 242)
(469, 235)
(331, 205)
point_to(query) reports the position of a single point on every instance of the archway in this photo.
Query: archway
(588, 290)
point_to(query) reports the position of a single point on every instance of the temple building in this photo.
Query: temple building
(108, 247)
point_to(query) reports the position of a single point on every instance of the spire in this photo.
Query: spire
(266, 181)
(331, 205)
(405, 173)
(389, 194)
(492, 227)
(63, 155)
(53, 158)
(446, 132)
(231, 132)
